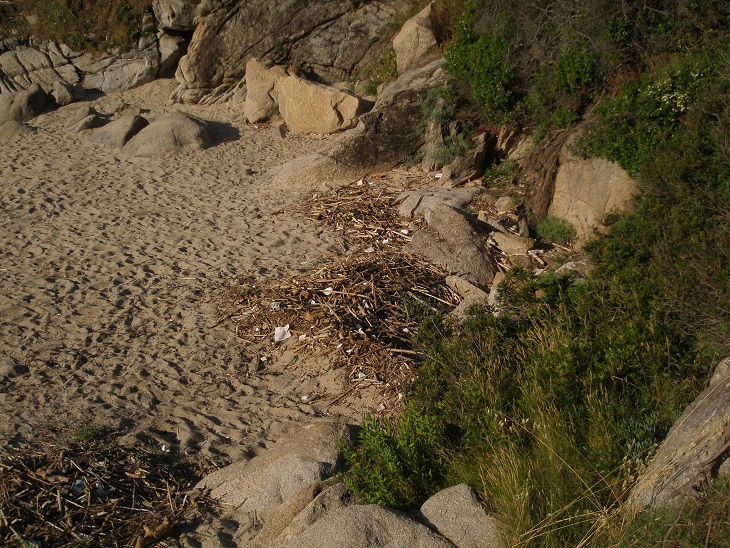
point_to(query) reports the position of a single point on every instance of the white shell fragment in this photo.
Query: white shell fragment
(281, 333)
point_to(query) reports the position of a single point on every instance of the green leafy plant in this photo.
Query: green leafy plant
(555, 231)
(396, 466)
(87, 432)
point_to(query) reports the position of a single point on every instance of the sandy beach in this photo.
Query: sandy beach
(112, 274)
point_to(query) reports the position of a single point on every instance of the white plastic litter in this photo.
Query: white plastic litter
(281, 333)
(328, 291)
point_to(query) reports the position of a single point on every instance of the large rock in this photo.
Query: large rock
(412, 203)
(450, 241)
(21, 106)
(381, 139)
(587, 190)
(116, 133)
(50, 63)
(261, 77)
(176, 15)
(327, 37)
(302, 458)
(170, 135)
(415, 42)
(457, 514)
(172, 48)
(693, 451)
(309, 107)
(368, 526)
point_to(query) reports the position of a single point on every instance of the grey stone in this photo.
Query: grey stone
(505, 204)
(331, 498)
(417, 202)
(450, 241)
(470, 295)
(512, 244)
(576, 269)
(368, 526)
(415, 41)
(117, 132)
(89, 122)
(64, 94)
(170, 135)
(21, 106)
(457, 514)
(694, 449)
(172, 48)
(301, 458)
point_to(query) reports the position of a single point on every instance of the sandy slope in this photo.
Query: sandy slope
(110, 272)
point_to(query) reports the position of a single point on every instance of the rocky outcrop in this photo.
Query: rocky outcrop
(381, 139)
(368, 526)
(326, 37)
(172, 48)
(412, 203)
(169, 135)
(261, 78)
(457, 514)
(23, 105)
(175, 15)
(309, 107)
(415, 42)
(695, 448)
(587, 190)
(118, 132)
(450, 242)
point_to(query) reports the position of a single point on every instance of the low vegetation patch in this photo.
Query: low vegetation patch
(552, 409)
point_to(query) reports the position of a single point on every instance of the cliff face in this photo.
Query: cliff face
(327, 37)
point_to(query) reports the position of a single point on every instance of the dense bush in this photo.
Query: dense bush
(555, 406)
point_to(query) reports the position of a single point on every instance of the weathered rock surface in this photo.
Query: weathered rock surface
(170, 135)
(89, 122)
(412, 203)
(23, 105)
(470, 295)
(49, 63)
(368, 527)
(415, 42)
(261, 77)
(586, 190)
(289, 520)
(176, 15)
(457, 514)
(512, 244)
(116, 133)
(327, 37)
(309, 107)
(381, 139)
(693, 451)
(172, 48)
(300, 459)
(451, 242)
(64, 93)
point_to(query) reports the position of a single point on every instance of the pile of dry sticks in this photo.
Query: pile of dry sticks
(360, 307)
(95, 493)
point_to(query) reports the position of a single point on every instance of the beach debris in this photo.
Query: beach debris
(281, 333)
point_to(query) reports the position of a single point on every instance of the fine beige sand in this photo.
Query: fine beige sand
(112, 272)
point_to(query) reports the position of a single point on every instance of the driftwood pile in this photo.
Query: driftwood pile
(361, 307)
(94, 493)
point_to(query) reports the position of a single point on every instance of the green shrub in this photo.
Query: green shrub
(397, 466)
(555, 231)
